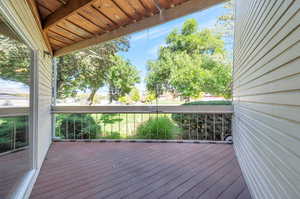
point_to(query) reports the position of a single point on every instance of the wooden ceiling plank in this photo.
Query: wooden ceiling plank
(81, 32)
(176, 2)
(151, 6)
(109, 9)
(111, 23)
(59, 37)
(71, 7)
(165, 4)
(147, 12)
(56, 42)
(50, 4)
(65, 33)
(136, 4)
(127, 8)
(55, 47)
(83, 22)
(43, 11)
(94, 15)
(183, 9)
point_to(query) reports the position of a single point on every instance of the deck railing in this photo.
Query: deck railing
(14, 134)
(190, 122)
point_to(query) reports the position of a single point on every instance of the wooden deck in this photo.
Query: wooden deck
(140, 170)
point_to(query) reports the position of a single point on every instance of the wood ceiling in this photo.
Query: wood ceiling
(69, 25)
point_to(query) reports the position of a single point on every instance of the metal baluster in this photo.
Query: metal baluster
(182, 123)
(59, 130)
(157, 124)
(15, 134)
(133, 124)
(197, 121)
(119, 123)
(74, 126)
(96, 128)
(126, 125)
(190, 118)
(205, 127)
(148, 133)
(165, 130)
(111, 125)
(214, 120)
(104, 124)
(142, 118)
(89, 123)
(222, 137)
(67, 128)
(82, 128)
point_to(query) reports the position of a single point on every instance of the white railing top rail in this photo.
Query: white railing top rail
(144, 109)
(13, 111)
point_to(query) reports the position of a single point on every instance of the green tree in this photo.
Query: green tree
(135, 95)
(96, 61)
(192, 62)
(15, 60)
(121, 78)
(68, 74)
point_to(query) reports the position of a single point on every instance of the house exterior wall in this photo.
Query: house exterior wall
(20, 16)
(267, 96)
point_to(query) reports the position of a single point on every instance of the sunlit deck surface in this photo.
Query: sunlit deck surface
(140, 170)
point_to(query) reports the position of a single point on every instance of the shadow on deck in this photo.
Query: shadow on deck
(140, 170)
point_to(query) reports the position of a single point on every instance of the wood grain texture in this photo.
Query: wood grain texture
(140, 170)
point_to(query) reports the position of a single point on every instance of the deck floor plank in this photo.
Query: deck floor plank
(140, 170)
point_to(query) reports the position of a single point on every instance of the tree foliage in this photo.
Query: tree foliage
(15, 60)
(96, 67)
(192, 62)
(121, 78)
(135, 95)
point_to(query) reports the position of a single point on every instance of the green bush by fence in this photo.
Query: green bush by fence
(158, 128)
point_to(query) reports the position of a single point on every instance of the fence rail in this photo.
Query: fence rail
(144, 109)
(14, 134)
(189, 122)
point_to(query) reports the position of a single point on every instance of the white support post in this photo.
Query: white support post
(54, 78)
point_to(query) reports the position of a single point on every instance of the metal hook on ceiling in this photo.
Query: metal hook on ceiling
(159, 8)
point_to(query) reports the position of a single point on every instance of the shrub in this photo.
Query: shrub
(158, 128)
(6, 132)
(77, 126)
(204, 126)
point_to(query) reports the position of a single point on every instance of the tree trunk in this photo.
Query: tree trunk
(110, 95)
(92, 96)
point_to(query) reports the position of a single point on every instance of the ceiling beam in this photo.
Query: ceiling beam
(64, 11)
(34, 10)
(169, 14)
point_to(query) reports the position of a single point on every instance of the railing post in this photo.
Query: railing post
(53, 99)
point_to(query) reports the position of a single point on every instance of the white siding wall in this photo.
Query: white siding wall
(44, 134)
(267, 96)
(21, 16)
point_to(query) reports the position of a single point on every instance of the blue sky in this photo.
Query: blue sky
(144, 45)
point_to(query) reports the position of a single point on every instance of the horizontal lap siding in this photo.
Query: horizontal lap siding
(267, 96)
(44, 110)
